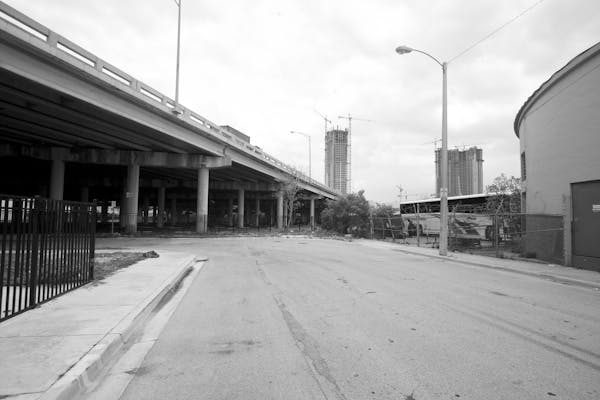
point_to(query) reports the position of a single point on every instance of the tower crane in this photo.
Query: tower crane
(325, 138)
(349, 163)
(435, 142)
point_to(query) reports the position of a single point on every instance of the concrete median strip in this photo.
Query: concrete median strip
(61, 349)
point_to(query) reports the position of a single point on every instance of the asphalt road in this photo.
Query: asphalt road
(296, 318)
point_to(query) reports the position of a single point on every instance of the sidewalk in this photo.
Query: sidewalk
(59, 348)
(552, 272)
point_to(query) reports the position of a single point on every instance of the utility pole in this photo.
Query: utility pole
(349, 147)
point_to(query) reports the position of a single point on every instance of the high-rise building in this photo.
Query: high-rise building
(465, 171)
(336, 159)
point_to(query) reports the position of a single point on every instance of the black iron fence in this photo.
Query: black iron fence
(47, 249)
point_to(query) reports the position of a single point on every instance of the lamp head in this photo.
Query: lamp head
(403, 49)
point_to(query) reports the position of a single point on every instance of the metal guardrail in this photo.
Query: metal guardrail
(25, 28)
(46, 249)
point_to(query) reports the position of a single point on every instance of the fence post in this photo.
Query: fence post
(92, 240)
(418, 225)
(496, 234)
(34, 251)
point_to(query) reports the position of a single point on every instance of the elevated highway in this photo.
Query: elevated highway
(74, 126)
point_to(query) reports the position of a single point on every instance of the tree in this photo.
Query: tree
(507, 197)
(291, 203)
(348, 214)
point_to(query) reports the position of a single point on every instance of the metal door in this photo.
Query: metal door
(585, 228)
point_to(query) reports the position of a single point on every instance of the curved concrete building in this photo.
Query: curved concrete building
(559, 132)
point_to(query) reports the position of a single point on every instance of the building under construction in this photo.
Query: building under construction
(336, 159)
(465, 171)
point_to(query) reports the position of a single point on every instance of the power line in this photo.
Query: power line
(492, 33)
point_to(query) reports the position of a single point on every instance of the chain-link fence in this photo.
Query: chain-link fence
(509, 235)
(537, 236)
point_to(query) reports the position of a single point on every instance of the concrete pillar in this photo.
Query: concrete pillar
(312, 213)
(279, 210)
(57, 179)
(160, 221)
(133, 187)
(145, 209)
(285, 213)
(240, 208)
(104, 212)
(202, 204)
(173, 210)
(123, 207)
(230, 211)
(257, 211)
(84, 196)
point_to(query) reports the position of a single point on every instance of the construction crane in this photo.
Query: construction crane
(325, 119)
(435, 142)
(349, 163)
(325, 138)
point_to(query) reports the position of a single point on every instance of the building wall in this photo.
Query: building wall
(465, 171)
(560, 142)
(336, 159)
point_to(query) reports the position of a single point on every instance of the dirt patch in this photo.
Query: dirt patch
(106, 264)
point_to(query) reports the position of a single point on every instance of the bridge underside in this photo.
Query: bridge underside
(54, 143)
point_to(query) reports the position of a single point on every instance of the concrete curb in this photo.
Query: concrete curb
(90, 368)
(552, 278)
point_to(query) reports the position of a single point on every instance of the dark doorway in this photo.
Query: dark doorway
(586, 224)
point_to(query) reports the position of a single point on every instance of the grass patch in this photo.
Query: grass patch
(106, 264)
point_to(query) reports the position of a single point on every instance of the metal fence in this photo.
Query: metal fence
(47, 249)
(538, 236)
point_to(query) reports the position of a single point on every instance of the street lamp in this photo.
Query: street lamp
(178, 2)
(444, 168)
(306, 135)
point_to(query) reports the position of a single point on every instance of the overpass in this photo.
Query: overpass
(73, 126)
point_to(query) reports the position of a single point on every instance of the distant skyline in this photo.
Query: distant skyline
(268, 67)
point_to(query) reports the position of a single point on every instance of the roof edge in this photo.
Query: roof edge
(574, 63)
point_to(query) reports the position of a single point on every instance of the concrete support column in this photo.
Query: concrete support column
(123, 207)
(104, 212)
(279, 210)
(257, 211)
(145, 209)
(173, 210)
(240, 208)
(230, 210)
(285, 213)
(57, 179)
(160, 222)
(202, 204)
(133, 187)
(312, 213)
(84, 196)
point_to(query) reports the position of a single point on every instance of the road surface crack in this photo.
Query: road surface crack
(309, 348)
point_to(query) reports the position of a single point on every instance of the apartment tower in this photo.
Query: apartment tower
(465, 171)
(336, 159)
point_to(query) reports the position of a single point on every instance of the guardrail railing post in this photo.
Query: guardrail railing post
(33, 277)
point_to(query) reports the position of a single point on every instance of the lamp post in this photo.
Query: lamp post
(178, 2)
(306, 135)
(444, 161)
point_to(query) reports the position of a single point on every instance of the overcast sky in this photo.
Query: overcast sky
(265, 66)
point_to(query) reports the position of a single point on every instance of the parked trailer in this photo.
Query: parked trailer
(462, 226)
